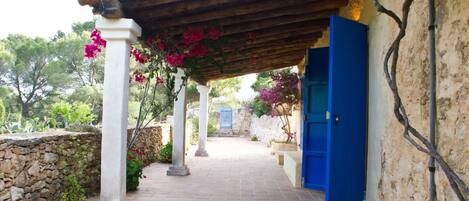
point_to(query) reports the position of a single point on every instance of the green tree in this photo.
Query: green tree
(263, 81)
(28, 66)
(226, 88)
(69, 52)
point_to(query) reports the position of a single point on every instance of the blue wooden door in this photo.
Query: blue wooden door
(314, 95)
(226, 115)
(346, 133)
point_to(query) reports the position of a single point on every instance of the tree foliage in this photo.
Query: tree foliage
(29, 66)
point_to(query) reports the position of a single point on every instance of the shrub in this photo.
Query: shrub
(166, 153)
(2, 112)
(64, 114)
(254, 138)
(195, 130)
(134, 170)
(212, 127)
(73, 190)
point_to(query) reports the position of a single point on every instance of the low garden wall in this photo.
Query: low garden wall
(267, 128)
(33, 165)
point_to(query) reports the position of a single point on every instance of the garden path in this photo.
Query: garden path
(236, 170)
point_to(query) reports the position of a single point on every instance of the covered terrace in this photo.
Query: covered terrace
(283, 30)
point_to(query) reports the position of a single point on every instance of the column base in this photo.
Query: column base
(201, 153)
(178, 171)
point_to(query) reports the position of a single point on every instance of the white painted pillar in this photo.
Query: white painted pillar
(203, 119)
(178, 166)
(119, 33)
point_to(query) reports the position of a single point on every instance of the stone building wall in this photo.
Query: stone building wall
(396, 170)
(33, 166)
(401, 171)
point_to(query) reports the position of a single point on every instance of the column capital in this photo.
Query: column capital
(119, 29)
(203, 88)
(180, 73)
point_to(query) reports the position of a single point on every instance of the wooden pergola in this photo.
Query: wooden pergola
(283, 28)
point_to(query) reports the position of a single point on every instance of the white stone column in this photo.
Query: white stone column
(203, 119)
(178, 166)
(119, 33)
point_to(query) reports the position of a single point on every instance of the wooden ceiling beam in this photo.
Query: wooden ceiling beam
(303, 8)
(134, 5)
(181, 8)
(285, 58)
(242, 7)
(255, 26)
(280, 32)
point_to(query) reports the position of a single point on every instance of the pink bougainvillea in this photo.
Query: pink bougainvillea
(282, 96)
(251, 36)
(139, 77)
(138, 56)
(214, 33)
(174, 60)
(198, 50)
(94, 48)
(193, 35)
(159, 80)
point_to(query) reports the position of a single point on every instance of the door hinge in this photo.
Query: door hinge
(328, 115)
(302, 182)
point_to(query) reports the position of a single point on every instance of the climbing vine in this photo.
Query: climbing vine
(411, 134)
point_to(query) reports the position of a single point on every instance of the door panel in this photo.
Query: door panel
(315, 125)
(345, 175)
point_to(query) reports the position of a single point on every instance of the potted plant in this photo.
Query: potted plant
(282, 96)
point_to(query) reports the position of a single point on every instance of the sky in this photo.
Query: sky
(43, 18)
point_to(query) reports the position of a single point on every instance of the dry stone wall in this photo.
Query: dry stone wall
(33, 166)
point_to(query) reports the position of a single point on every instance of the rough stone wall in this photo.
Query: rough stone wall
(33, 166)
(396, 171)
(241, 121)
(150, 141)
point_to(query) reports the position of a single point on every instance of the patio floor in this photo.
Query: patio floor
(236, 170)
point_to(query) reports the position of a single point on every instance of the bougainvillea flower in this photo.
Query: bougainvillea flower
(150, 40)
(159, 80)
(193, 35)
(160, 44)
(214, 33)
(174, 60)
(138, 56)
(198, 51)
(96, 37)
(251, 36)
(139, 77)
(91, 50)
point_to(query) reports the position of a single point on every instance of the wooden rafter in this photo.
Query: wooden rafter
(284, 29)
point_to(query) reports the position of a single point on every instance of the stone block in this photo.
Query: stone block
(280, 146)
(50, 157)
(16, 193)
(292, 167)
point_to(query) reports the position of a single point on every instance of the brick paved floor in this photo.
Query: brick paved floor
(236, 170)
